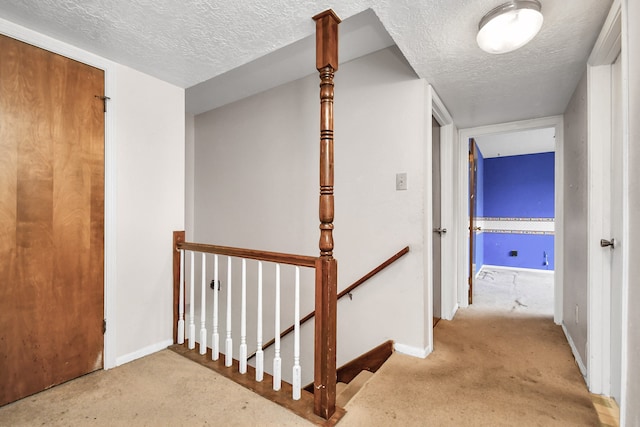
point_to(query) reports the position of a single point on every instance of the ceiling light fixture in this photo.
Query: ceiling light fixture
(509, 26)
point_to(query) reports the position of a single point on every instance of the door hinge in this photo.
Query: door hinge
(104, 101)
(104, 326)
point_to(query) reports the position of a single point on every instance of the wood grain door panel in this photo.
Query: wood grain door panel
(51, 219)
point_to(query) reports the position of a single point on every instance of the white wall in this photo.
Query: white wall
(256, 185)
(575, 221)
(144, 199)
(189, 149)
(149, 202)
(631, 71)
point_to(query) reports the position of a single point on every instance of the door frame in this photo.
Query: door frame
(55, 46)
(448, 296)
(599, 98)
(462, 192)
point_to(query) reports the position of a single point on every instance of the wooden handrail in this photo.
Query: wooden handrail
(347, 291)
(277, 257)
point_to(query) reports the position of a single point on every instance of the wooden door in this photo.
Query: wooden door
(51, 219)
(437, 221)
(473, 171)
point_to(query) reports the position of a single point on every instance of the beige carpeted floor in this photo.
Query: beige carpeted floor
(499, 363)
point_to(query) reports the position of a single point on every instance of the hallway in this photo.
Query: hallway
(492, 365)
(500, 362)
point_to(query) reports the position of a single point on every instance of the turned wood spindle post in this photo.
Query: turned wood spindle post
(178, 237)
(326, 266)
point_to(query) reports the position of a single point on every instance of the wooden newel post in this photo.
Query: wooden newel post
(326, 266)
(178, 237)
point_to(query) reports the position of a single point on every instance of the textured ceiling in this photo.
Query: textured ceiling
(517, 143)
(186, 42)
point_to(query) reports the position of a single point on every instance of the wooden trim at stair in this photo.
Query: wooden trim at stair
(370, 361)
(302, 407)
(326, 266)
(375, 271)
(178, 237)
(277, 257)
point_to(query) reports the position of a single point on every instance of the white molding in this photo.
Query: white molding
(522, 269)
(558, 240)
(427, 220)
(599, 185)
(463, 200)
(609, 42)
(599, 107)
(39, 40)
(625, 222)
(448, 293)
(150, 349)
(422, 353)
(576, 353)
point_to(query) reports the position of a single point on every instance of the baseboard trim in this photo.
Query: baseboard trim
(501, 267)
(153, 348)
(574, 350)
(412, 351)
(452, 314)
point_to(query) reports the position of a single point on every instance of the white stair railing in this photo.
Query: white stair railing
(257, 290)
(192, 298)
(180, 337)
(228, 344)
(215, 335)
(243, 320)
(277, 360)
(203, 307)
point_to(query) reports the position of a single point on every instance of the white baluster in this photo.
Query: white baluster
(297, 371)
(243, 321)
(215, 336)
(259, 352)
(192, 325)
(181, 301)
(228, 344)
(277, 362)
(203, 307)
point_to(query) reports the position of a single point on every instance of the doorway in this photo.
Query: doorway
(465, 257)
(52, 208)
(511, 237)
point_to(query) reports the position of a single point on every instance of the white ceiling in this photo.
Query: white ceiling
(186, 42)
(517, 143)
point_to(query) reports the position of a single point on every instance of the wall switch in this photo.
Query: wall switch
(577, 313)
(401, 181)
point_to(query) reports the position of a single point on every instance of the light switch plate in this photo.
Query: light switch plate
(401, 181)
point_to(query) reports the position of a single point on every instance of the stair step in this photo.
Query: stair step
(351, 389)
(340, 388)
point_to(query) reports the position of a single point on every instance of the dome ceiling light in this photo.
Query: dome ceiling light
(509, 26)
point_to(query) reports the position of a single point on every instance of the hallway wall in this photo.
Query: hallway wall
(256, 186)
(575, 220)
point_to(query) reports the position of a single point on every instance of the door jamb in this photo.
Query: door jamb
(599, 97)
(448, 294)
(463, 200)
(55, 46)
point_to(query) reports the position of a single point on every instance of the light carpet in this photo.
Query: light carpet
(499, 363)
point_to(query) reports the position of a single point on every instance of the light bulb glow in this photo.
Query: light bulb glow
(509, 30)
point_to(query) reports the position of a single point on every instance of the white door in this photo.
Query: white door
(615, 221)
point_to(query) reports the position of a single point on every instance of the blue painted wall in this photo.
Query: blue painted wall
(518, 187)
(531, 249)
